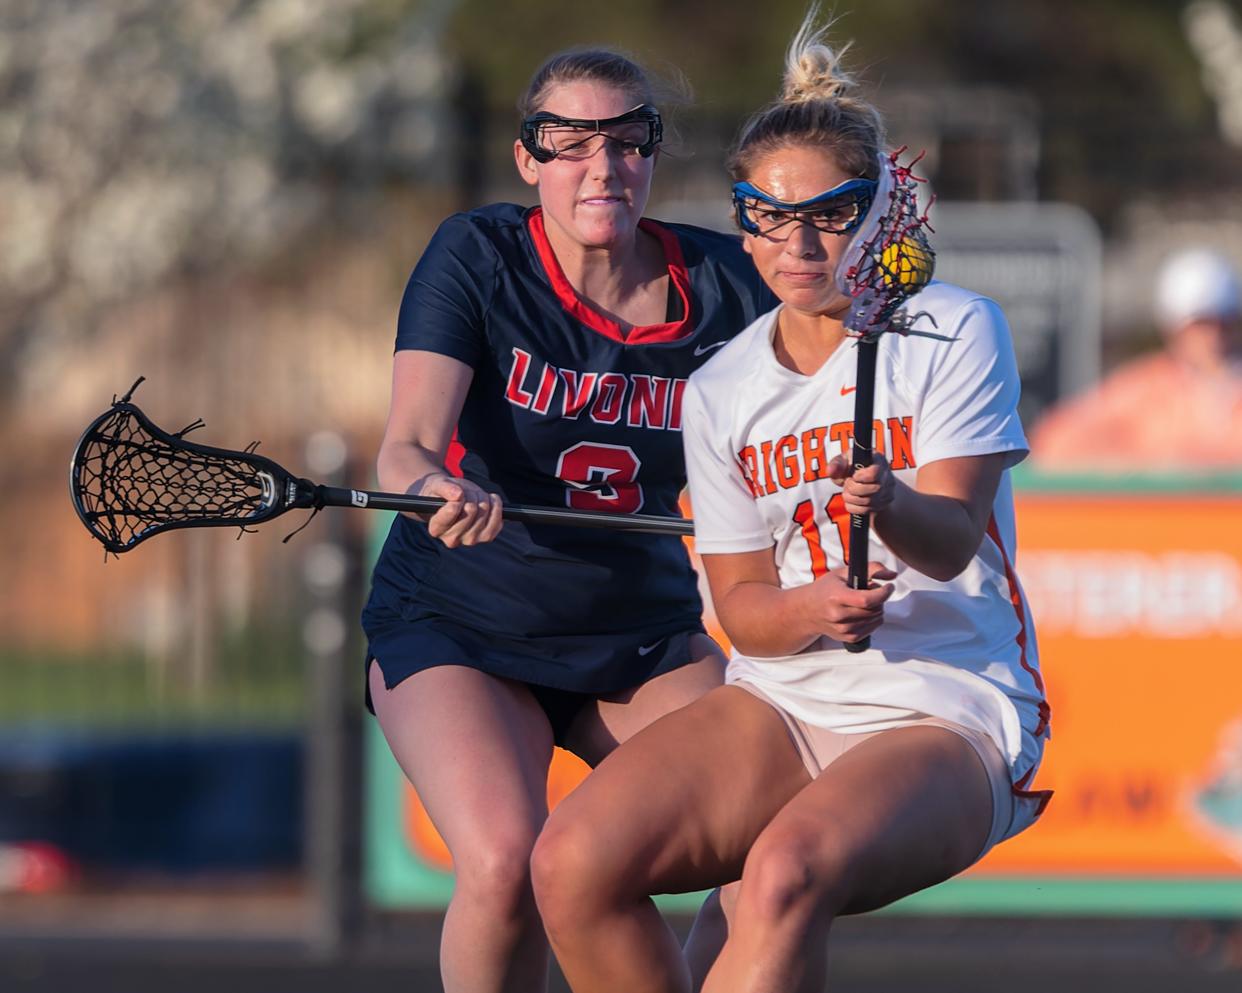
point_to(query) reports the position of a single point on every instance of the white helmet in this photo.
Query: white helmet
(1197, 283)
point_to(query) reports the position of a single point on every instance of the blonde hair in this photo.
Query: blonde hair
(817, 106)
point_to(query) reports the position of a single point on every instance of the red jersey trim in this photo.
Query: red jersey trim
(646, 335)
(1040, 796)
(456, 452)
(1015, 598)
(1045, 711)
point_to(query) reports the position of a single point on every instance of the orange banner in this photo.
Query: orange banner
(1138, 609)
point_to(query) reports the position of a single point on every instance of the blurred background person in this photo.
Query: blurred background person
(1179, 408)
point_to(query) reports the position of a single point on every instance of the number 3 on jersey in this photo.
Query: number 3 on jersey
(804, 514)
(601, 477)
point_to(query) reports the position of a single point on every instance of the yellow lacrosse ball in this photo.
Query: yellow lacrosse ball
(909, 262)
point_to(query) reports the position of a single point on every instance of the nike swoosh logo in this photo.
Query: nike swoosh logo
(847, 390)
(648, 649)
(704, 349)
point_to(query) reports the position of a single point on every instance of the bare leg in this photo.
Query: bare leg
(707, 935)
(897, 813)
(676, 810)
(488, 803)
(614, 719)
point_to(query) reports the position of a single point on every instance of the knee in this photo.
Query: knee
(570, 871)
(495, 870)
(790, 880)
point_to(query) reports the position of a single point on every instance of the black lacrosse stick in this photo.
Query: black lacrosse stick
(131, 480)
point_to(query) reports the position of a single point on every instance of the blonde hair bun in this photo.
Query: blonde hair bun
(812, 67)
(819, 107)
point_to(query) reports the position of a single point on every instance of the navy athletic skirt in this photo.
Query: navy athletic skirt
(562, 671)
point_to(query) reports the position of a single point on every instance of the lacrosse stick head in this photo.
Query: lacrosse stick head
(889, 258)
(130, 480)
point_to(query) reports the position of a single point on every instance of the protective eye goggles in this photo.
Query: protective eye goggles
(550, 136)
(838, 211)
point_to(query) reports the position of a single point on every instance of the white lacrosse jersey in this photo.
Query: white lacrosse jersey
(758, 440)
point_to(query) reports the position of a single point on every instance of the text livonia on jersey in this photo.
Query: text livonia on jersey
(636, 400)
(782, 463)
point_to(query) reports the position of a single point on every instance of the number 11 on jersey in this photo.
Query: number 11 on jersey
(804, 516)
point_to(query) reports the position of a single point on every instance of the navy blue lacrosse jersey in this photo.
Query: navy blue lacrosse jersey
(564, 410)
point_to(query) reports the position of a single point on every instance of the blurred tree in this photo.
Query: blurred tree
(142, 140)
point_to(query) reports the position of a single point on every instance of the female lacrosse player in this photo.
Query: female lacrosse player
(557, 341)
(828, 782)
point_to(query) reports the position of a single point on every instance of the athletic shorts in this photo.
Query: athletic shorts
(563, 672)
(819, 747)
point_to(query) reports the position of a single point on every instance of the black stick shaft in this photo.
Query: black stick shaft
(337, 496)
(860, 524)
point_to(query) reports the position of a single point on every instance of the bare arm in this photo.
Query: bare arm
(937, 525)
(428, 391)
(764, 620)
